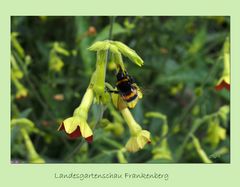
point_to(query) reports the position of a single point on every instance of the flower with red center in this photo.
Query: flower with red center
(77, 125)
(224, 81)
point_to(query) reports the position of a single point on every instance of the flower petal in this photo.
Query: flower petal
(221, 85)
(146, 134)
(139, 141)
(85, 129)
(61, 127)
(132, 145)
(89, 139)
(132, 104)
(143, 138)
(75, 134)
(70, 124)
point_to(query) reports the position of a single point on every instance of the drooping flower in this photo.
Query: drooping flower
(138, 141)
(21, 93)
(215, 133)
(139, 137)
(224, 81)
(77, 125)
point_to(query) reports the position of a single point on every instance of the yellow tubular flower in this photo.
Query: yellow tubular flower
(224, 81)
(139, 138)
(77, 125)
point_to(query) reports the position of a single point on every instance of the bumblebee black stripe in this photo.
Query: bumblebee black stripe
(124, 87)
(130, 97)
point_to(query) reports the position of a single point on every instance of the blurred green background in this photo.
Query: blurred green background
(183, 60)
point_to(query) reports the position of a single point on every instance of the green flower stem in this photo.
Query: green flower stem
(21, 90)
(121, 157)
(98, 78)
(16, 82)
(16, 44)
(33, 155)
(85, 104)
(111, 27)
(161, 117)
(14, 63)
(115, 114)
(112, 143)
(132, 124)
(101, 69)
(226, 71)
(202, 154)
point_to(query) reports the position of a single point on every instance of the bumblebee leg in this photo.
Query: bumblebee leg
(111, 91)
(131, 79)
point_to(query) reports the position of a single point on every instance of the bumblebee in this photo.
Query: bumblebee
(127, 89)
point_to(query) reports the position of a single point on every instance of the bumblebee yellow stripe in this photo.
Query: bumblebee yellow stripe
(123, 80)
(131, 96)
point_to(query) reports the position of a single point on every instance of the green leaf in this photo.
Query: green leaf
(198, 41)
(25, 113)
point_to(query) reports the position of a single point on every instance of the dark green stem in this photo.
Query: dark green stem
(75, 150)
(112, 20)
(111, 27)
